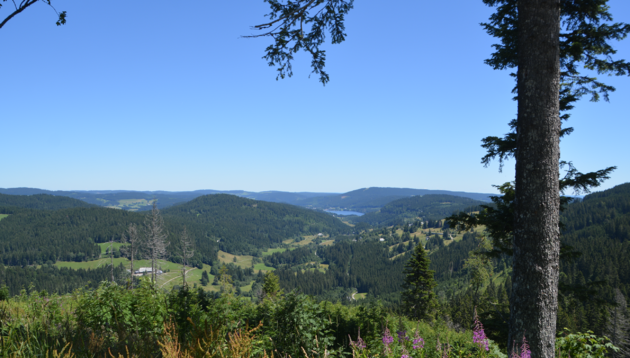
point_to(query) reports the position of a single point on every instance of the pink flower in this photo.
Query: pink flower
(387, 337)
(359, 343)
(418, 342)
(525, 352)
(479, 336)
(387, 340)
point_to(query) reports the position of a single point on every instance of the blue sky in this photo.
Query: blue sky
(166, 95)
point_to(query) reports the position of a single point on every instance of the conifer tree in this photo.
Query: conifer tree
(418, 297)
(271, 285)
(205, 279)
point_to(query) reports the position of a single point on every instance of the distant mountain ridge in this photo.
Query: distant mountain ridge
(362, 200)
(41, 201)
(141, 200)
(372, 199)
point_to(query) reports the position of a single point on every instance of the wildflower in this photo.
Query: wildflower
(402, 336)
(479, 336)
(387, 337)
(405, 354)
(387, 340)
(418, 343)
(525, 353)
(359, 343)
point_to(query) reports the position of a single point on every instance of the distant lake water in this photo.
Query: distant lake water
(345, 213)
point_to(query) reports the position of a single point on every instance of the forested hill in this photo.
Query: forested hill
(372, 199)
(39, 236)
(41, 201)
(599, 228)
(242, 226)
(142, 200)
(427, 207)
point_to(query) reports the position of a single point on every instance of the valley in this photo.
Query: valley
(351, 260)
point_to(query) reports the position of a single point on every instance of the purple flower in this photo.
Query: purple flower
(359, 343)
(404, 356)
(479, 336)
(525, 353)
(418, 343)
(387, 337)
(387, 340)
(402, 336)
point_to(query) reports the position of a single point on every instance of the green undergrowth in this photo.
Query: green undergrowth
(149, 322)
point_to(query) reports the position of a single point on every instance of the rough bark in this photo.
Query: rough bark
(534, 301)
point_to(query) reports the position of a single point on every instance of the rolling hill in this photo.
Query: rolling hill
(227, 222)
(41, 201)
(242, 225)
(142, 200)
(371, 199)
(427, 207)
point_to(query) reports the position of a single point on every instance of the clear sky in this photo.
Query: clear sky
(165, 95)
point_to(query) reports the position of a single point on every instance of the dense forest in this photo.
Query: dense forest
(244, 226)
(427, 207)
(364, 266)
(41, 201)
(371, 199)
(53, 279)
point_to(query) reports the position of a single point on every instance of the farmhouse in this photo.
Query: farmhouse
(146, 270)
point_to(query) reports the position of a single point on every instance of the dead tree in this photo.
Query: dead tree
(187, 246)
(155, 238)
(111, 255)
(133, 240)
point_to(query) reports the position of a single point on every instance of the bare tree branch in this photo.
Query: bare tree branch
(155, 238)
(187, 246)
(61, 20)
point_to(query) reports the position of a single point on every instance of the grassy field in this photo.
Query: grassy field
(360, 296)
(272, 251)
(242, 261)
(263, 267)
(2, 216)
(170, 277)
(327, 242)
(105, 245)
(308, 239)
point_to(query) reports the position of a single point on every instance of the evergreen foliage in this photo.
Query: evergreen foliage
(427, 207)
(418, 298)
(42, 202)
(53, 279)
(243, 226)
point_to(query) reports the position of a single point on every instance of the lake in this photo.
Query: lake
(345, 213)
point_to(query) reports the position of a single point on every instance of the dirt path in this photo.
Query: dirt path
(194, 268)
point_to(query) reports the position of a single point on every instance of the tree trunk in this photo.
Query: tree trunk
(534, 301)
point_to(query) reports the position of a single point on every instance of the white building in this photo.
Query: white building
(146, 270)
